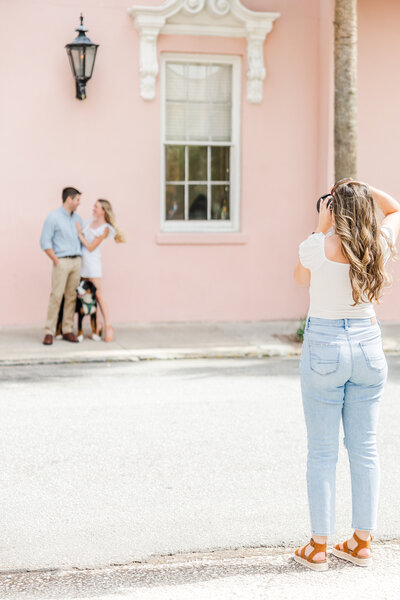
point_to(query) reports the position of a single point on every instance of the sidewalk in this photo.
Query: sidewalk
(165, 341)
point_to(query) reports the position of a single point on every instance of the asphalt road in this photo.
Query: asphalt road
(261, 574)
(105, 465)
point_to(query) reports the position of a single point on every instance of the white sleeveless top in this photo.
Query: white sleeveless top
(330, 287)
(91, 261)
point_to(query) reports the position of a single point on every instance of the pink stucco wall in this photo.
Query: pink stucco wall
(379, 116)
(109, 146)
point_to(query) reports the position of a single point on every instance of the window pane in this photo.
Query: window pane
(175, 121)
(206, 91)
(198, 121)
(197, 83)
(175, 202)
(220, 83)
(176, 82)
(197, 202)
(175, 163)
(197, 163)
(220, 163)
(220, 122)
(220, 202)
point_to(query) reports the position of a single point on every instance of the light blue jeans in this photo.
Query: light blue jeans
(343, 371)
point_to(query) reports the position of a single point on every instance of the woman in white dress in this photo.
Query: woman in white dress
(92, 235)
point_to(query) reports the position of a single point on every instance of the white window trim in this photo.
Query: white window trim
(226, 18)
(233, 224)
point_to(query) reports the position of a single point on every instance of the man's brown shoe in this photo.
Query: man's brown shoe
(48, 339)
(70, 337)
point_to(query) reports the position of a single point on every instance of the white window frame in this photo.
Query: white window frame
(217, 225)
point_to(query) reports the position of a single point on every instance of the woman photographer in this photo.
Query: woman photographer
(343, 368)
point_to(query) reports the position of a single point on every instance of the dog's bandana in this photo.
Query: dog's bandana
(88, 306)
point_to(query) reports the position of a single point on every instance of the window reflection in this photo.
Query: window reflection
(220, 163)
(220, 202)
(175, 163)
(198, 163)
(175, 202)
(197, 202)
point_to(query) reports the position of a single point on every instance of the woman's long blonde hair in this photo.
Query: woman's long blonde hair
(110, 219)
(356, 224)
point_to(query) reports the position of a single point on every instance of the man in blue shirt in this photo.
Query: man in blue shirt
(61, 243)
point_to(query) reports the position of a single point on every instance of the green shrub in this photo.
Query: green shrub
(300, 331)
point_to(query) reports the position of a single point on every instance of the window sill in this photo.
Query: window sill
(200, 239)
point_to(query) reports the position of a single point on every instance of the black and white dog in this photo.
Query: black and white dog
(86, 304)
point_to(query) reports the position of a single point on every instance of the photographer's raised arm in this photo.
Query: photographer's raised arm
(390, 208)
(302, 276)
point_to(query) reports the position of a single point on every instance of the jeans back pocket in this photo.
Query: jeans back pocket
(373, 353)
(324, 357)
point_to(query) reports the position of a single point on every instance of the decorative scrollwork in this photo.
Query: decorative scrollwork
(255, 67)
(220, 7)
(221, 18)
(194, 6)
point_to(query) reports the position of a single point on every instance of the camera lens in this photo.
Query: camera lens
(323, 198)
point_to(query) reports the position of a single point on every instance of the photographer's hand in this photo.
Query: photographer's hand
(325, 220)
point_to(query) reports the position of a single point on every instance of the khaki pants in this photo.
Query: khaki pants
(65, 279)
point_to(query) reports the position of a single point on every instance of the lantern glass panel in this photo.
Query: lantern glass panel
(89, 62)
(71, 62)
(78, 59)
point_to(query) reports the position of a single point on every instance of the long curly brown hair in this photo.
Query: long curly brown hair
(356, 224)
(110, 218)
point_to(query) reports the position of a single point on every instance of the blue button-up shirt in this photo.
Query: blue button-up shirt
(60, 233)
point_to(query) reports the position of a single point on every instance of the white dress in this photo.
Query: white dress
(91, 261)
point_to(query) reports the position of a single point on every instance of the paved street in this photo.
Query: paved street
(245, 574)
(114, 463)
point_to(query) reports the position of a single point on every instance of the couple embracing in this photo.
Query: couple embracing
(74, 248)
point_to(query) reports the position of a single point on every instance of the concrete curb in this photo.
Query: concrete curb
(157, 354)
(119, 356)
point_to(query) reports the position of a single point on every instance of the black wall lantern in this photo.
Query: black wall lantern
(82, 54)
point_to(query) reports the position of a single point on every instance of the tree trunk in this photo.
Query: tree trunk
(345, 89)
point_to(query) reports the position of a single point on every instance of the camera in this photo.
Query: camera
(329, 203)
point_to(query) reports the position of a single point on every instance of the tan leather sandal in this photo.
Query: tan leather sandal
(308, 561)
(352, 555)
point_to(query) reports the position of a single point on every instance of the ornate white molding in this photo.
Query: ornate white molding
(228, 18)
